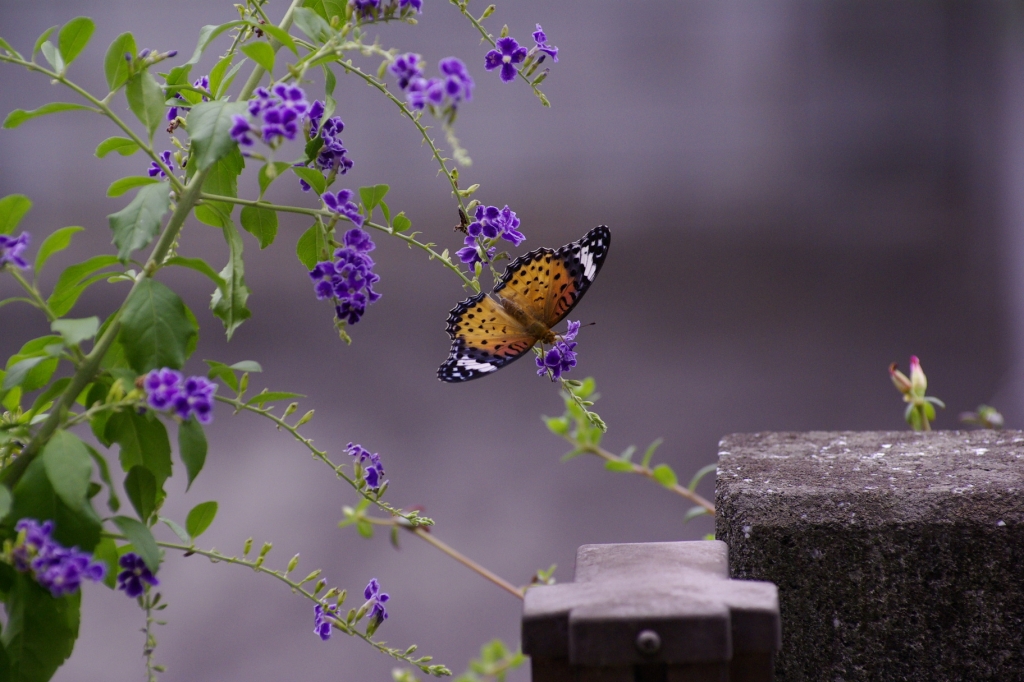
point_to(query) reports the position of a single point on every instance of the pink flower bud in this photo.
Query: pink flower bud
(899, 379)
(918, 381)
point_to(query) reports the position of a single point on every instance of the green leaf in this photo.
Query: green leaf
(221, 180)
(557, 425)
(260, 223)
(229, 303)
(280, 35)
(7, 46)
(136, 224)
(74, 37)
(326, 8)
(176, 79)
(200, 518)
(69, 468)
(13, 208)
(261, 53)
(701, 473)
(35, 497)
(49, 51)
(312, 24)
(45, 399)
(57, 241)
(106, 551)
(206, 36)
(178, 530)
(40, 632)
(74, 280)
(76, 331)
(19, 116)
(618, 465)
(42, 39)
(115, 66)
(364, 527)
(142, 540)
(664, 475)
(113, 503)
(209, 126)
(272, 396)
(402, 223)
(312, 148)
(143, 441)
(386, 210)
(122, 185)
(649, 453)
(312, 246)
(19, 371)
(372, 195)
(217, 85)
(694, 512)
(313, 178)
(270, 172)
(219, 369)
(199, 265)
(146, 99)
(5, 501)
(155, 328)
(192, 448)
(141, 488)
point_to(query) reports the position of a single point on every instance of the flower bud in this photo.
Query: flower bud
(247, 547)
(311, 576)
(265, 549)
(918, 381)
(290, 409)
(305, 418)
(293, 564)
(899, 379)
(321, 584)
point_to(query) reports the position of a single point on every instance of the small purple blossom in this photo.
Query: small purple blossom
(375, 600)
(340, 202)
(422, 92)
(406, 67)
(55, 567)
(561, 358)
(332, 153)
(415, 4)
(366, 8)
(280, 110)
(155, 169)
(373, 469)
(458, 84)
(11, 249)
(507, 54)
(350, 278)
(470, 254)
(492, 222)
(541, 39)
(240, 130)
(321, 625)
(135, 576)
(203, 83)
(192, 396)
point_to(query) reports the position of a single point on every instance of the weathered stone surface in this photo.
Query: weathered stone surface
(898, 556)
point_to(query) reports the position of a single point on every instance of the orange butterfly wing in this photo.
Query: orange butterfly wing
(546, 284)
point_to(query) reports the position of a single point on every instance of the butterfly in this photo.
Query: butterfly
(534, 294)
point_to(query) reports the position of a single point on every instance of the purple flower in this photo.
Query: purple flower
(348, 279)
(316, 113)
(240, 130)
(340, 202)
(332, 153)
(507, 55)
(135, 573)
(11, 249)
(203, 83)
(167, 388)
(366, 8)
(422, 92)
(155, 169)
(541, 39)
(406, 67)
(492, 222)
(376, 599)
(55, 567)
(415, 4)
(458, 84)
(373, 469)
(281, 111)
(321, 625)
(561, 358)
(471, 254)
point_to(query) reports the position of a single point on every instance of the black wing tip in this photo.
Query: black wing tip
(460, 308)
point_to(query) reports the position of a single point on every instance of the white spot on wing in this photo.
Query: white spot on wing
(587, 261)
(474, 366)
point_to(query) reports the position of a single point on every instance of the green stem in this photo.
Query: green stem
(412, 518)
(37, 300)
(424, 534)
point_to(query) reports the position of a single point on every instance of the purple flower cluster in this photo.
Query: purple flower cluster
(561, 358)
(280, 110)
(415, 4)
(373, 470)
(340, 202)
(507, 54)
(366, 8)
(155, 169)
(167, 388)
(11, 249)
(203, 83)
(54, 566)
(492, 222)
(455, 84)
(135, 573)
(321, 625)
(541, 39)
(348, 279)
(332, 155)
(376, 600)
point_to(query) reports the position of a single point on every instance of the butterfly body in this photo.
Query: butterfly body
(535, 293)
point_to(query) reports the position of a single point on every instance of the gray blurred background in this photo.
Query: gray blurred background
(800, 193)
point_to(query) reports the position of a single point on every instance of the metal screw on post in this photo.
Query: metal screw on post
(648, 642)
